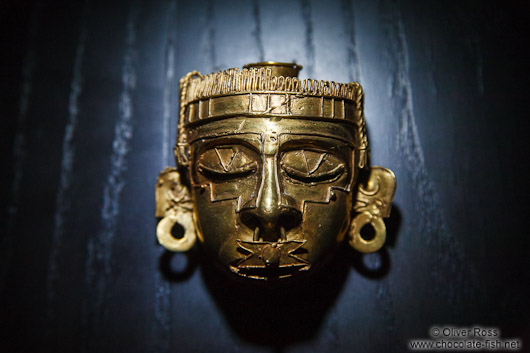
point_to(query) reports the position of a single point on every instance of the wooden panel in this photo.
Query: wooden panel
(91, 113)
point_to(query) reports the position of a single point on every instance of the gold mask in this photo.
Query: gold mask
(269, 172)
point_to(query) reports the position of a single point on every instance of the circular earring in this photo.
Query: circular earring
(173, 205)
(166, 224)
(373, 203)
(367, 245)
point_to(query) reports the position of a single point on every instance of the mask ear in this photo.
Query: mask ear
(173, 205)
(374, 202)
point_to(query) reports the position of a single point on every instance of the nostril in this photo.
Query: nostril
(270, 226)
(290, 219)
(249, 219)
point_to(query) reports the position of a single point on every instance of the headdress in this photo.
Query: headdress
(271, 90)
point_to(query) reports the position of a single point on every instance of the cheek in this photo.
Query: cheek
(324, 225)
(219, 227)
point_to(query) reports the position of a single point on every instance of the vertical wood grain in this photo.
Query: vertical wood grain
(445, 100)
(307, 19)
(19, 150)
(449, 263)
(348, 19)
(257, 30)
(63, 200)
(162, 290)
(98, 265)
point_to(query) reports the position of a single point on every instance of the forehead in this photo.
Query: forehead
(284, 129)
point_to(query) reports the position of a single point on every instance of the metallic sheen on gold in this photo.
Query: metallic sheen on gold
(374, 201)
(173, 204)
(268, 172)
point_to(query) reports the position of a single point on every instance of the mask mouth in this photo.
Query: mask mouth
(267, 260)
(270, 273)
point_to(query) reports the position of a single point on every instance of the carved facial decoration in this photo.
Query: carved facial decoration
(270, 204)
(271, 198)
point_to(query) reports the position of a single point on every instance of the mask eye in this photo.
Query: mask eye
(229, 162)
(312, 166)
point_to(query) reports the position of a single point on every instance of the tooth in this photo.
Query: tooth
(282, 233)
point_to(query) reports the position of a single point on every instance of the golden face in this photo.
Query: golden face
(271, 166)
(272, 198)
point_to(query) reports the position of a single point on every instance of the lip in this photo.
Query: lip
(269, 260)
(269, 273)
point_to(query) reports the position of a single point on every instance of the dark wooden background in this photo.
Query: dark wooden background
(89, 109)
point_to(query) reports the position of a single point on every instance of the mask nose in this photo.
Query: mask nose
(271, 214)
